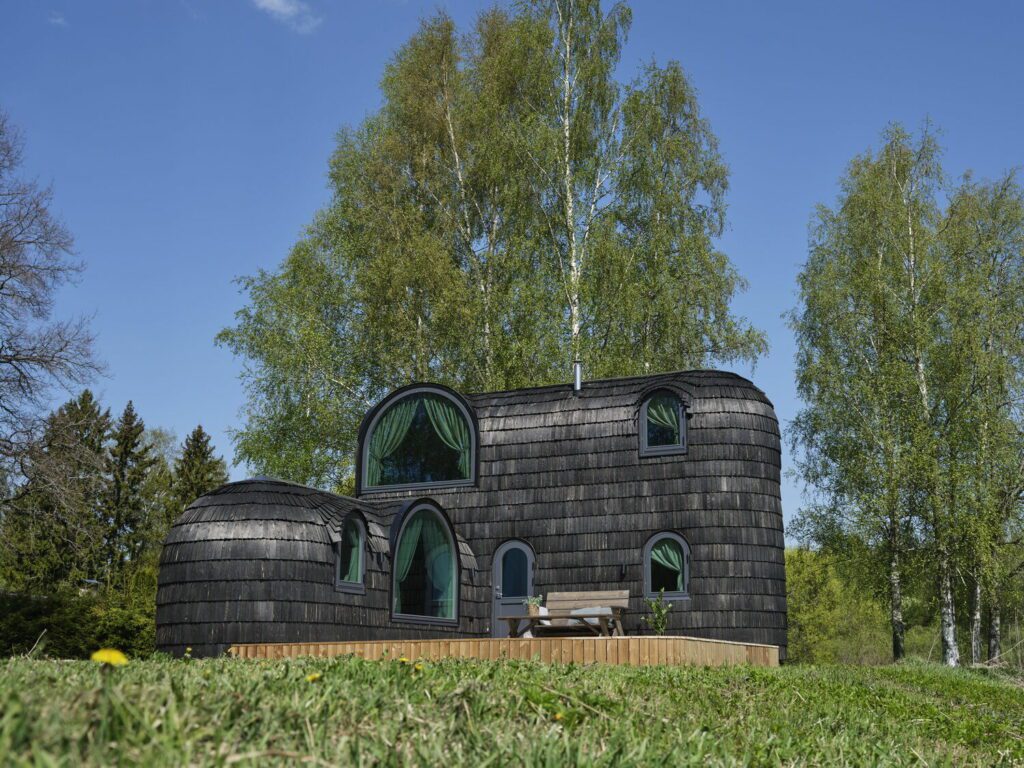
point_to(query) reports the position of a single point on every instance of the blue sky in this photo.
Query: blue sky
(187, 143)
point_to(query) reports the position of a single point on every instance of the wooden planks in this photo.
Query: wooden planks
(631, 651)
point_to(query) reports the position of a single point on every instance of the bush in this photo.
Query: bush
(71, 625)
(62, 624)
(832, 620)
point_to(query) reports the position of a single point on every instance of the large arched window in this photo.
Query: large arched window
(424, 438)
(662, 424)
(350, 556)
(667, 566)
(425, 571)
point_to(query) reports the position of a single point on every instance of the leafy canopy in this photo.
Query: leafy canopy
(510, 208)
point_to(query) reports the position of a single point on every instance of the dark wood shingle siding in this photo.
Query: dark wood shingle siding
(253, 562)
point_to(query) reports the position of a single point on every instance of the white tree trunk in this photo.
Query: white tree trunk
(994, 651)
(947, 613)
(896, 606)
(976, 621)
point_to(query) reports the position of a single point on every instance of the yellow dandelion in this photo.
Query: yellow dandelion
(313, 677)
(558, 716)
(188, 650)
(403, 660)
(418, 667)
(110, 656)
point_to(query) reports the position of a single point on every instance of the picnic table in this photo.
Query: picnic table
(568, 622)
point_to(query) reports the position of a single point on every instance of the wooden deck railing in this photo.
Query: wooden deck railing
(633, 651)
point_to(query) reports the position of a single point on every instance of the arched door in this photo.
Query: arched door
(512, 583)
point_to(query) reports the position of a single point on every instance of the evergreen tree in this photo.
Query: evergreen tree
(197, 470)
(129, 464)
(52, 528)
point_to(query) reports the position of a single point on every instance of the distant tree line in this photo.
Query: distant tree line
(81, 531)
(910, 362)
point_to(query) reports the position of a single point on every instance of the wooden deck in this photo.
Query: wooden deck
(632, 651)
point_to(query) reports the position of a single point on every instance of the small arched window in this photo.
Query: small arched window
(667, 566)
(662, 424)
(350, 555)
(425, 571)
(425, 438)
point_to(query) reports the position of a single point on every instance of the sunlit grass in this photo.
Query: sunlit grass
(346, 711)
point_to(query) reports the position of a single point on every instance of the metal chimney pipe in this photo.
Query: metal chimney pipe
(577, 375)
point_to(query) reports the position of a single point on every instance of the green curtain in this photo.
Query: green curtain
(352, 545)
(388, 433)
(668, 554)
(663, 410)
(439, 598)
(451, 427)
(440, 569)
(407, 546)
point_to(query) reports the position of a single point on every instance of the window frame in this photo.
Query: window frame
(681, 541)
(384, 406)
(662, 450)
(410, 618)
(351, 587)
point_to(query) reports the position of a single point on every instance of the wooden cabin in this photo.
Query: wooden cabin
(468, 503)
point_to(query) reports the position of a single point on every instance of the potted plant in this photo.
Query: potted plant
(658, 620)
(533, 605)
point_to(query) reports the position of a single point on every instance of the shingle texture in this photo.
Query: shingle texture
(253, 561)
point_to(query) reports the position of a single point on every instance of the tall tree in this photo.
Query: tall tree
(129, 464)
(908, 362)
(52, 532)
(37, 352)
(198, 470)
(512, 207)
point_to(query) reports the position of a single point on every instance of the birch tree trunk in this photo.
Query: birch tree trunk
(947, 609)
(994, 650)
(976, 620)
(896, 606)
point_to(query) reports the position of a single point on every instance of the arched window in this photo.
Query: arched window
(424, 438)
(350, 555)
(425, 571)
(667, 566)
(662, 424)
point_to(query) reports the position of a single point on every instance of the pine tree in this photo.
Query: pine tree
(129, 465)
(197, 471)
(52, 531)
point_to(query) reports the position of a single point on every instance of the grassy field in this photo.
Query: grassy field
(347, 711)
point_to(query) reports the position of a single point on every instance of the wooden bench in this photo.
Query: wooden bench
(576, 613)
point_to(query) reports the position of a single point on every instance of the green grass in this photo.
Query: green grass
(232, 712)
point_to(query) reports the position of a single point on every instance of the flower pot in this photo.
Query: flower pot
(532, 610)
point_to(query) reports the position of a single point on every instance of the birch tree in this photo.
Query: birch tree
(909, 365)
(512, 207)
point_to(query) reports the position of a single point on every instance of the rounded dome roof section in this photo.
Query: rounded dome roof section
(238, 556)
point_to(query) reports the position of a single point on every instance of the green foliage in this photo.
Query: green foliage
(658, 618)
(52, 529)
(216, 712)
(481, 224)
(71, 624)
(910, 366)
(831, 619)
(130, 461)
(80, 537)
(198, 470)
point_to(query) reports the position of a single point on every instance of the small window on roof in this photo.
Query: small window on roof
(423, 438)
(662, 424)
(350, 555)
